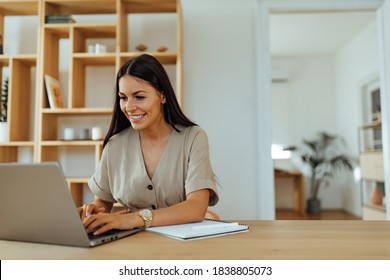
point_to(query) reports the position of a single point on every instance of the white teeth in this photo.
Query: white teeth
(136, 117)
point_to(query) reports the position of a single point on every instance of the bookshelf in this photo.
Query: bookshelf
(372, 171)
(63, 51)
(18, 63)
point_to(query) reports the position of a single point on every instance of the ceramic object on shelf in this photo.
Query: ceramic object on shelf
(141, 47)
(162, 49)
(376, 196)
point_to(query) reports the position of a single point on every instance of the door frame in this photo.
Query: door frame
(265, 176)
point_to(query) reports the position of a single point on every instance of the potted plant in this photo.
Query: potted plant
(3, 112)
(323, 157)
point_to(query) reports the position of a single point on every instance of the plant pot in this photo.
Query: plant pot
(3, 132)
(376, 196)
(313, 206)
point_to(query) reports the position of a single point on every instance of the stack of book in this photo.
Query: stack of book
(59, 19)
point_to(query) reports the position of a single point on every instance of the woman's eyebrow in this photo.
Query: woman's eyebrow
(134, 93)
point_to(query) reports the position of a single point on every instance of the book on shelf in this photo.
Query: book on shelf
(53, 91)
(59, 19)
(205, 229)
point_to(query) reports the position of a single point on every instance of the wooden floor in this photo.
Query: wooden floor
(324, 215)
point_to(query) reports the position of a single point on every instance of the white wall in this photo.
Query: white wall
(219, 94)
(301, 108)
(355, 64)
(305, 104)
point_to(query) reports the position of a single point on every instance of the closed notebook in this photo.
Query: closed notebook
(206, 228)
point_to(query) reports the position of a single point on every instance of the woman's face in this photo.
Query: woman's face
(141, 103)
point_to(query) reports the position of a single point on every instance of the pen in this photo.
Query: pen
(219, 225)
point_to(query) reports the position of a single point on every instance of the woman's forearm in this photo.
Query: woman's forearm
(193, 209)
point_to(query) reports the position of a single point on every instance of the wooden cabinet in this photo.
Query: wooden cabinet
(18, 64)
(87, 77)
(372, 172)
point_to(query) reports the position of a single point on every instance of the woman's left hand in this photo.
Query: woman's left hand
(102, 222)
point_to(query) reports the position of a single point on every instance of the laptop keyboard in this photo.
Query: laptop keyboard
(91, 236)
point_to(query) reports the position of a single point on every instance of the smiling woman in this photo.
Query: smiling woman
(155, 161)
(141, 103)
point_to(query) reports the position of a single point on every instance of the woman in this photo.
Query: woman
(155, 161)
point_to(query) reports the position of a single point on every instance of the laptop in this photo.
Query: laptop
(36, 206)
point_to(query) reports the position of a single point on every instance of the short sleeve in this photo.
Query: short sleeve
(99, 182)
(200, 174)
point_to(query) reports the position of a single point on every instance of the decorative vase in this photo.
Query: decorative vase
(313, 206)
(3, 132)
(376, 196)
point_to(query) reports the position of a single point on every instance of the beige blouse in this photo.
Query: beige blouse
(184, 167)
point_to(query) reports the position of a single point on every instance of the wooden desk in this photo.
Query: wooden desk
(299, 188)
(270, 240)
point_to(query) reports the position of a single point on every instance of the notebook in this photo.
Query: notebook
(205, 229)
(36, 206)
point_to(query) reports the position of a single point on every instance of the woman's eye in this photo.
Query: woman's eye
(123, 97)
(139, 97)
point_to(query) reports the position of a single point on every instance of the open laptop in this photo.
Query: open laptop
(36, 206)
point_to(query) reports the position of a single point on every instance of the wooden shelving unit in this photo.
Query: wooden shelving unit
(38, 127)
(372, 172)
(21, 71)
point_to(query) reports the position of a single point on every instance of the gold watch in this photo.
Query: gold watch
(147, 216)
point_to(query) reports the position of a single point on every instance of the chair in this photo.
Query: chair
(211, 215)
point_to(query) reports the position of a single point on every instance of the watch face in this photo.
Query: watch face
(147, 214)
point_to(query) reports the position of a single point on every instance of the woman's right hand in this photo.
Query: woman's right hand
(88, 209)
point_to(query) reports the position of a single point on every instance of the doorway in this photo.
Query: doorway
(311, 55)
(265, 136)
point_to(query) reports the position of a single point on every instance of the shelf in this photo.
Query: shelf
(29, 58)
(74, 143)
(371, 151)
(62, 29)
(19, 8)
(4, 60)
(373, 213)
(84, 7)
(18, 144)
(371, 160)
(376, 207)
(96, 30)
(84, 32)
(77, 180)
(95, 59)
(149, 6)
(163, 57)
(371, 125)
(77, 111)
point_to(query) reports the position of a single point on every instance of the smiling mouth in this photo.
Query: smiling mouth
(136, 117)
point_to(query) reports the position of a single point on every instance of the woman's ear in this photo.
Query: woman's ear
(163, 99)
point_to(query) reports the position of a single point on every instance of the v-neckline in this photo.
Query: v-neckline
(160, 159)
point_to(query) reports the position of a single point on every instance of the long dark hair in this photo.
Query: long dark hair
(149, 69)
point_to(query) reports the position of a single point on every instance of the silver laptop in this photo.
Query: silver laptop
(36, 206)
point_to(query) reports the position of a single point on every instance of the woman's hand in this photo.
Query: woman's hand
(88, 209)
(102, 222)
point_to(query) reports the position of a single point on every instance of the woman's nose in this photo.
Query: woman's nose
(130, 107)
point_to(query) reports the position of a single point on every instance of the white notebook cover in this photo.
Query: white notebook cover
(206, 228)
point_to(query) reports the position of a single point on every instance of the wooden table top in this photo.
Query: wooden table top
(272, 240)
